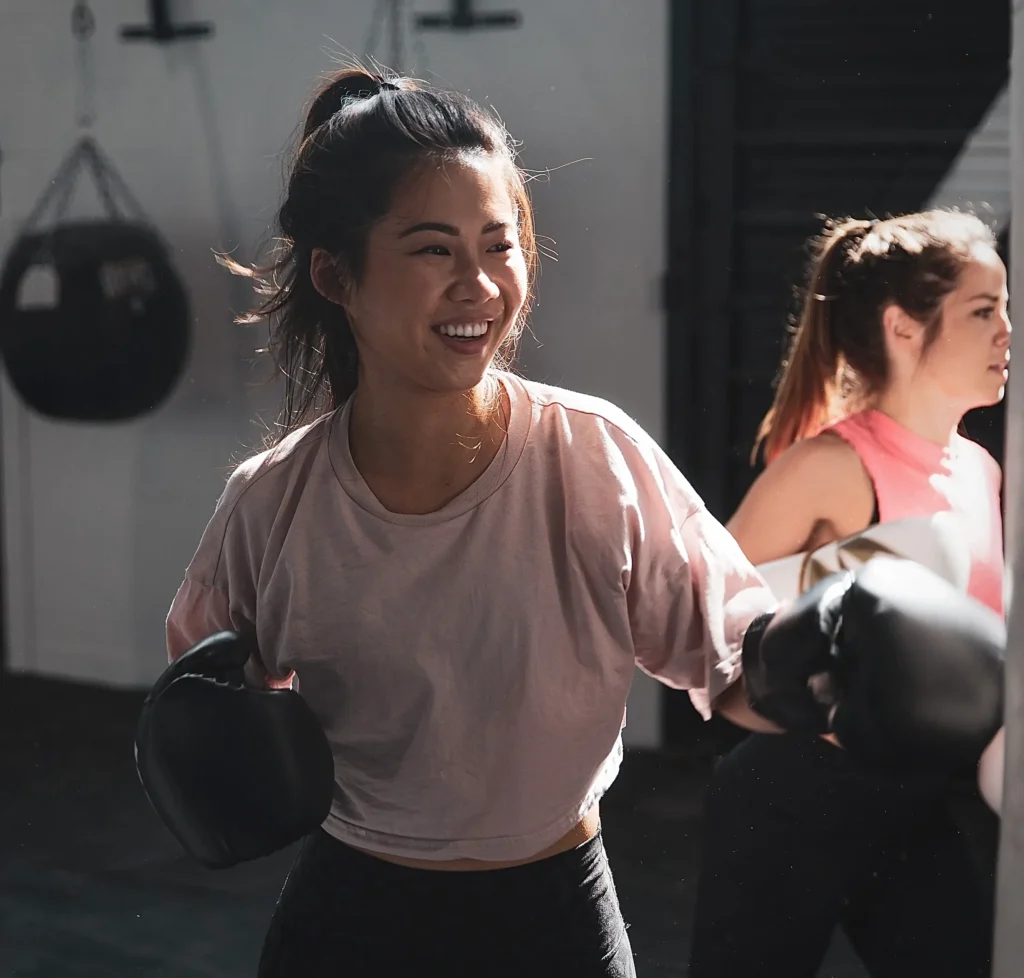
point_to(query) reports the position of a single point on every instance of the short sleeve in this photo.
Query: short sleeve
(692, 593)
(218, 592)
(198, 611)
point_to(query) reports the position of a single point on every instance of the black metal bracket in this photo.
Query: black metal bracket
(162, 29)
(464, 18)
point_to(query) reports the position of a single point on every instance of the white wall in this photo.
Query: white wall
(100, 522)
(979, 179)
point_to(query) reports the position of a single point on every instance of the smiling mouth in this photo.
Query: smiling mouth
(465, 331)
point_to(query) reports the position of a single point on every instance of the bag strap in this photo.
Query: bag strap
(86, 154)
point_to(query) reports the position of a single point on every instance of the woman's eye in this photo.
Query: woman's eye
(985, 313)
(439, 249)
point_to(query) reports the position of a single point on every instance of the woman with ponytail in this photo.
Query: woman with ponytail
(460, 567)
(904, 329)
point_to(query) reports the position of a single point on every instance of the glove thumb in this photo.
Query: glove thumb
(219, 656)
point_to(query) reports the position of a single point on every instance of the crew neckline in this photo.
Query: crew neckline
(905, 441)
(484, 486)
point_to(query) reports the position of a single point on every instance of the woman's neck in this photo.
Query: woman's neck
(926, 413)
(417, 449)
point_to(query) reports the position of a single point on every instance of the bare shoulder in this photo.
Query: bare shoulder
(823, 459)
(818, 489)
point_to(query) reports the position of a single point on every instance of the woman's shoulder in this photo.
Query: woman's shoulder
(602, 450)
(818, 486)
(978, 454)
(827, 454)
(564, 410)
(263, 476)
(254, 495)
(823, 473)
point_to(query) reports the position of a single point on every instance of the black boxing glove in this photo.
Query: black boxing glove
(234, 773)
(905, 670)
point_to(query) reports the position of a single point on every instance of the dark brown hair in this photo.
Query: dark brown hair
(837, 353)
(363, 135)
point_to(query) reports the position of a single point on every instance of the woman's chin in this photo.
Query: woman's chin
(1000, 393)
(458, 377)
(993, 392)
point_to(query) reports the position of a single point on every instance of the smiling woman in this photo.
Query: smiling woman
(440, 552)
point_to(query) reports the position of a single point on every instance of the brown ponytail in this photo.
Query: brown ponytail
(807, 389)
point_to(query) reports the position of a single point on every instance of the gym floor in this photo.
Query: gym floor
(92, 886)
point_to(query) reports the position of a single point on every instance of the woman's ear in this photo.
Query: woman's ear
(903, 333)
(327, 277)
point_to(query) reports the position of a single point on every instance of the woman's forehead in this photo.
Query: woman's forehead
(985, 272)
(473, 190)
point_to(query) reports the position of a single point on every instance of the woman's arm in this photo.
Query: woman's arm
(990, 771)
(815, 492)
(218, 592)
(692, 592)
(733, 705)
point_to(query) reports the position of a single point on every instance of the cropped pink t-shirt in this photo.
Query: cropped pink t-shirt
(470, 666)
(916, 477)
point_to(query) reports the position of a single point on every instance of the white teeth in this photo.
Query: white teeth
(464, 329)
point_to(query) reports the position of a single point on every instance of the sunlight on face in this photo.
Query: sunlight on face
(445, 279)
(968, 360)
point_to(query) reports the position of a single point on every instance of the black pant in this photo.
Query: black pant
(800, 838)
(345, 914)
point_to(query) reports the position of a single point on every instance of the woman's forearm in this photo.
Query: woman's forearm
(733, 705)
(990, 771)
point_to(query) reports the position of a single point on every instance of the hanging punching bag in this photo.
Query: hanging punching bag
(94, 320)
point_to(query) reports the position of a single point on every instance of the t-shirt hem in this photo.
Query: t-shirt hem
(501, 849)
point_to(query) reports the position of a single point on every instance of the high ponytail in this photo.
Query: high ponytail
(810, 382)
(347, 86)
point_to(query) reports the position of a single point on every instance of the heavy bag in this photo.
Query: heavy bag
(110, 338)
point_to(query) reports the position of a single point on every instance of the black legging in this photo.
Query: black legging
(344, 914)
(800, 838)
